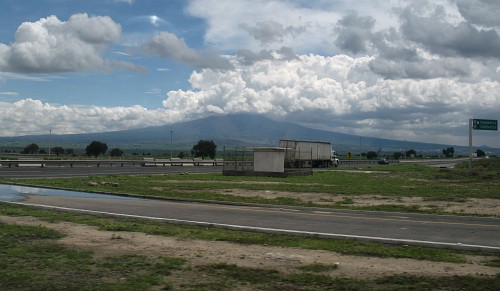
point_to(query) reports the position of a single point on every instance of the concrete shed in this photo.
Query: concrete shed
(267, 162)
(270, 159)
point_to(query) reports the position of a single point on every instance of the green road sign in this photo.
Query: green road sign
(484, 124)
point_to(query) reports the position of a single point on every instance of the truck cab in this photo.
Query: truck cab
(335, 161)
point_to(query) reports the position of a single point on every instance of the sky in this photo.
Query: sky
(404, 70)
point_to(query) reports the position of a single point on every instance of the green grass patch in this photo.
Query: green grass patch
(226, 276)
(318, 268)
(31, 260)
(405, 282)
(454, 185)
(494, 262)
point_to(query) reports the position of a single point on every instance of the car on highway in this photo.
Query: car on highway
(383, 162)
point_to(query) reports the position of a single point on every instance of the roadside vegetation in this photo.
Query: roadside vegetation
(33, 259)
(334, 188)
(347, 247)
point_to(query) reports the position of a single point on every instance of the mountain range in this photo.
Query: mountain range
(226, 131)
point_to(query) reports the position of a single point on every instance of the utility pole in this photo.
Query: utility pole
(405, 150)
(470, 144)
(360, 147)
(50, 139)
(171, 133)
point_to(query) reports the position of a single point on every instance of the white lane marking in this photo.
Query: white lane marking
(322, 212)
(265, 229)
(358, 216)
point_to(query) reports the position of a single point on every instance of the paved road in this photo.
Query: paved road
(79, 171)
(52, 172)
(440, 163)
(431, 230)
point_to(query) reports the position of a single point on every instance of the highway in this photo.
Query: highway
(80, 168)
(462, 232)
(440, 163)
(52, 172)
(130, 169)
(400, 228)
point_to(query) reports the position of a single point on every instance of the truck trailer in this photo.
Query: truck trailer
(307, 154)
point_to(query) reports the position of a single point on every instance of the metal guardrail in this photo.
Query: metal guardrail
(107, 163)
(364, 162)
(151, 162)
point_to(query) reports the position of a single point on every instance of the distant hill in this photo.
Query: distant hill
(230, 130)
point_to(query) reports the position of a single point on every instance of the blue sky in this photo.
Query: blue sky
(119, 87)
(414, 70)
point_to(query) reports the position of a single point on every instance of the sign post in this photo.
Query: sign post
(479, 124)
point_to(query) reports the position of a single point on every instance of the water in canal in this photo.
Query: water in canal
(14, 193)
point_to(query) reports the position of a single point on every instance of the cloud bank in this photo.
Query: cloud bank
(51, 46)
(341, 93)
(415, 72)
(28, 116)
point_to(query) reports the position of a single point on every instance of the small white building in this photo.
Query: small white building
(269, 160)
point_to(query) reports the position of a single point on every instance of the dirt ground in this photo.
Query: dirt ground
(286, 260)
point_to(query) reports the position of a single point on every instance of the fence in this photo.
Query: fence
(240, 160)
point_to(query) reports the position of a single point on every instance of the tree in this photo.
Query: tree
(31, 149)
(181, 155)
(70, 151)
(371, 155)
(204, 148)
(116, 152)
(397, 155)
(448, 152)
(96, 148)
(480, 153)
(57, 151)
(411, 153)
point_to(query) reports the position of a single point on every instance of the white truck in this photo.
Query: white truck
(306, 154)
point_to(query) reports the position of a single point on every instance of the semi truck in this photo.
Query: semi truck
(307, 154)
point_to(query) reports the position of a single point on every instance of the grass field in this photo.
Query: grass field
(32, 259)
(394, 181)
(241, 237)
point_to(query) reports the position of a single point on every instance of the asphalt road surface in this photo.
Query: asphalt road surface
(39, 172)
(93, 170)
(461, 232)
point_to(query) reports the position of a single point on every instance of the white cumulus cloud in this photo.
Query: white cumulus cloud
(263, 24)
(51, 45)
(373, 68)
(30, 116)
(339, 93)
